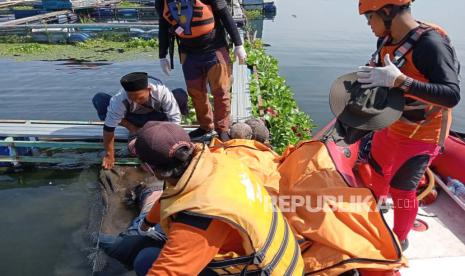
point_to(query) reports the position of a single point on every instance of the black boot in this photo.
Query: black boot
(404, 244)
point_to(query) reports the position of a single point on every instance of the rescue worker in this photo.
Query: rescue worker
(199, 26)
(418, 59)
(139, 103)
(222, 220)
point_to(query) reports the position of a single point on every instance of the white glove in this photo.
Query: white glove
(379, 76)
(241, 55)
(165, 66)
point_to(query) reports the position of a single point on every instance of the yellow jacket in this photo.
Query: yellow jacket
(221, 187)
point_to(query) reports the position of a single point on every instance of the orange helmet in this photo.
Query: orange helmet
(365, 6)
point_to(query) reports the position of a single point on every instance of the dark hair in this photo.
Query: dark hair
(183, 157)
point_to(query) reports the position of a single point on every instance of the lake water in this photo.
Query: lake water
(44, 211)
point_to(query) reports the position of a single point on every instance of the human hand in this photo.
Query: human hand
(108, 161)
(241, 55)
(145, 230)
(385, 76)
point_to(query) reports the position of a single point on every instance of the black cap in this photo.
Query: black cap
(134, 81)
(157, 143)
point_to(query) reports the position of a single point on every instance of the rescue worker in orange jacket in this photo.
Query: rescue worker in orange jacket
(417, 58)
(218, 219)
(199, 26)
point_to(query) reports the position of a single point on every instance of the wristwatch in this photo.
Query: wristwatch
(406, 84)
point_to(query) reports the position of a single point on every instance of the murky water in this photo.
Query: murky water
(314, 41)
(45, 214)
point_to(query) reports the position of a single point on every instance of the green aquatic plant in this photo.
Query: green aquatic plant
(90, 50)
(127, 4)
(15, 39)
(141, 43)
(23, 8)
(113, 36)
(30, 48)
(86, 20)
(273, 100)
(253, 14)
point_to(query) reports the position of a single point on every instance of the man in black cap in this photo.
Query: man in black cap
(139, 103)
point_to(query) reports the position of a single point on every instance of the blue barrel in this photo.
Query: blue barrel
(127, 12)
(25, 13)
(78, 37)
(269, 8)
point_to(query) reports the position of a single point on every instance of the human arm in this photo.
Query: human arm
(163, 31)
(435, 59)
(108, 160)
(115, 116)
(190, 248)
(221, 10)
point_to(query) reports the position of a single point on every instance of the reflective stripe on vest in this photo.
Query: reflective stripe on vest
(234, 195)
(193, 16)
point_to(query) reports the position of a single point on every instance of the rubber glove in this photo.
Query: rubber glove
(165, 66)
(241, 55)
(379, 76)
(144, 230)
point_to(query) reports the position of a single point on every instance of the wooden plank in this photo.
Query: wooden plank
(100, 26)
(16, 3)
(70, 131)
(34, 18)
(71, 160)
(58, 145)
(76, 130)
(241, 107)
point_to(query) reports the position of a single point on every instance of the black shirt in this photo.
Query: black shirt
(210, 42)
(434, 57)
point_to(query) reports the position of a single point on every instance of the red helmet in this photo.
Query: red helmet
(365, 6)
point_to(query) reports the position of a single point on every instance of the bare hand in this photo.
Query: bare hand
(108, 162)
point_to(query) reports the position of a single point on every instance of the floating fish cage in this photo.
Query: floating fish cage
(74, 33)
(268, 8)
(53, 5)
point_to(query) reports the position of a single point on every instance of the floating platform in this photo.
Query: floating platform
(87, 135)
(41, 18)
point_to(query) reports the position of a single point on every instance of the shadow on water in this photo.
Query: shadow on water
(82, 64)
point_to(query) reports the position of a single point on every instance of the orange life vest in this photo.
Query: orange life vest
(190, 18)
(221, 187)
(434, 128)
